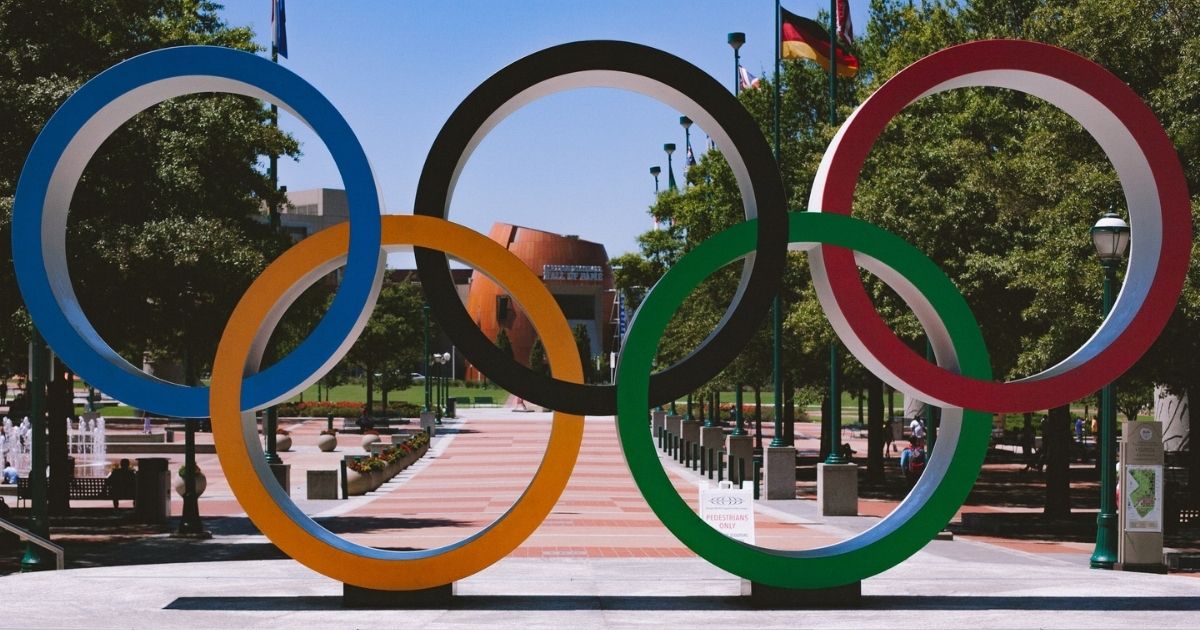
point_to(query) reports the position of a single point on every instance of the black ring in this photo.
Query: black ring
(666, 78)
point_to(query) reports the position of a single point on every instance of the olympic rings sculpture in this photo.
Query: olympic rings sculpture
(1144, 158)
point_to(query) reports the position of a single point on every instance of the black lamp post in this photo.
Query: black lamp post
(686, 123)
(655, 171)
(735, 41)
(441, 359)
(1110, 236)
(670, 148)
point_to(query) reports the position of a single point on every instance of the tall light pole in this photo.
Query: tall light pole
(36, 558)
(686, 123)
(777, 303)
(736, 40)
(835, 368)
(655, 171)
(835, 408)
(1110, 236)
(670, 148)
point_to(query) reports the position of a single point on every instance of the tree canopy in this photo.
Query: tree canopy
(997, 187)
(164, 232)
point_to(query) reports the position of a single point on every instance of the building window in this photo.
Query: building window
(577, 306)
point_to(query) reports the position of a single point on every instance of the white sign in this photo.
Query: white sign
(1142, 498)
(729, 510)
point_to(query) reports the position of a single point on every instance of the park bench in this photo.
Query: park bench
(485, 400)
(83, 489)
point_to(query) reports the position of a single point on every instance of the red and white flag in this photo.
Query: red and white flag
(747, 81)
(845, 28)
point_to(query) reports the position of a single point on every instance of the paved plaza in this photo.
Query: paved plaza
(601, 558)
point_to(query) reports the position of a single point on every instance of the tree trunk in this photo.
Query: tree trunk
(1056, 443)
(874, 430)
(383, 395)
(1192, 444)
(1027, 436)
(371, 389)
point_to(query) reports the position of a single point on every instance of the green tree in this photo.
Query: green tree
(390, 345)
(163, 233)
(583, 343)
(537, 358)
(504, 343)
(997, 187)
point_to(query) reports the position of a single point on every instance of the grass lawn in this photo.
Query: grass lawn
(413, 394)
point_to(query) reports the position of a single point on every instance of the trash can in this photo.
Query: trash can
(451, 404)
(152, 500)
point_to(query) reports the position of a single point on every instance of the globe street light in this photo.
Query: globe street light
(1110, 236)
(441, 360)
(446, 358)
(735, 41)
(655, 170)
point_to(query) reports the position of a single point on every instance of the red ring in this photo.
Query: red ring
(1040, 392)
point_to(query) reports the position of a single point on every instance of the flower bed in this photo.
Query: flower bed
(398, 409)
(320, 409)
(364, 474)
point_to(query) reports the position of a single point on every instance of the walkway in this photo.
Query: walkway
(601, 558)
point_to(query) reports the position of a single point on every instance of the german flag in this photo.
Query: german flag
(805, 39)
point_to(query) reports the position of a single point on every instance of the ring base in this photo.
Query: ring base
(435, 597)
(776, 598)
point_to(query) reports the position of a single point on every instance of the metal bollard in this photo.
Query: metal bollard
(711, 451)
(695, 456)
(757, 475)
(721, 467)
(658, 435)
(344, 481)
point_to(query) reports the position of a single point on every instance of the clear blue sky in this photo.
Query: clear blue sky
(575, 162)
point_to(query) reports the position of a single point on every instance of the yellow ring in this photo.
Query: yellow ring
(273, 511)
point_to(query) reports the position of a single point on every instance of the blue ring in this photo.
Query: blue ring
(79, 345)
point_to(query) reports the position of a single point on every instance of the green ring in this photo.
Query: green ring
(948, 476)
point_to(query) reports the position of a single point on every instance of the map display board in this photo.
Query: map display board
(1142, 495)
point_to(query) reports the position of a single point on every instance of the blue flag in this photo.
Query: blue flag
(279, 27)
(621, 317)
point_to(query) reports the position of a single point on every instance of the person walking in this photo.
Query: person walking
(912, 462)
(916, 429)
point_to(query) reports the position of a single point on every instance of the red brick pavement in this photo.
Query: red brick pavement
(600, 514)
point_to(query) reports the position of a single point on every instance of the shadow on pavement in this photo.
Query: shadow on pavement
(580, 602)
